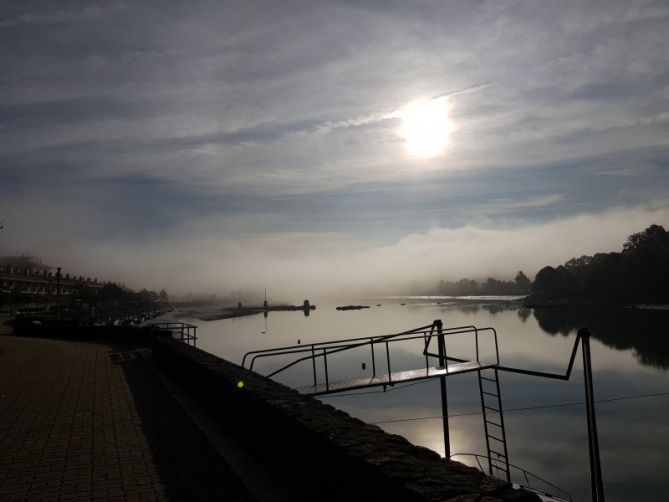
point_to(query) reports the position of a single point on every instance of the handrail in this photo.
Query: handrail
(318, 344)
(583, 337)
(467, 329)
(179, 328)
(557, 376)
(340, 346)
(525, 473)
(295, 349)
(322, 350)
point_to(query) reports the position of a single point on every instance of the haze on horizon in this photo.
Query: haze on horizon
(212, 146)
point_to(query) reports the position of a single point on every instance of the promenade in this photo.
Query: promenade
(91, 421)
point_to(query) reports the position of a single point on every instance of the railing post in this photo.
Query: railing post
(325, 364)
(476, 336)
(373, 360)
(593, 441)
(313, 362)
(443, 363)
(425, 352)
(390, 378)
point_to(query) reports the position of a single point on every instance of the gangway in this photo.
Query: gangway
(446, 365)
(321, 351)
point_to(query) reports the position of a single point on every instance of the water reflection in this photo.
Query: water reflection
(645, 331)
(549, 440)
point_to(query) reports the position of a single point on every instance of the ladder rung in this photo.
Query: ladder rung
(495, 438)
(489, 393)
(498, 454)
(489, 379)
(500, 467)
(494, 423)
(491, 408)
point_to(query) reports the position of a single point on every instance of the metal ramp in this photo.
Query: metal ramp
(447, 365)
(391, 378)
(493, 423)
(321, 353)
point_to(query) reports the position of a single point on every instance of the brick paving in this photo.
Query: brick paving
(90, 421)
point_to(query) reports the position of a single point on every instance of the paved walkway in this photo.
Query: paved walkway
(83, 421)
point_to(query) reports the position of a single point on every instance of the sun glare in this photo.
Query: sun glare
(425, 127)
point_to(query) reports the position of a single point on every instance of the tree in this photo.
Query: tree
(523, 283)
(557, 282)
(654, 235)
(163, 296)
(638, 274)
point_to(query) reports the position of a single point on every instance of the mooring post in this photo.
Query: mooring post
(593, 441)
(441, 344)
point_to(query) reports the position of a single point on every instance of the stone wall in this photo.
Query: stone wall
(72, 330)
(319, 452)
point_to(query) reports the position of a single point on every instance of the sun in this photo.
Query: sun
(425, 127)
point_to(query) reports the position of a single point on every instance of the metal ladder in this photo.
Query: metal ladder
(493, 423)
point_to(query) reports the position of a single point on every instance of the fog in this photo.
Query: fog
(294, 266)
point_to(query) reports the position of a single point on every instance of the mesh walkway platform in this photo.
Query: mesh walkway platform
(391, 378)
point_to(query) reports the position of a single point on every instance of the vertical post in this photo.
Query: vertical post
(371, 344)
(58, 293)
(390, 376)
(313, 363)
(325, 366)
(501, 421)
(443, 363)
(593, 441)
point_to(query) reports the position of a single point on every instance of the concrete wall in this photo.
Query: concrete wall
(319, 452)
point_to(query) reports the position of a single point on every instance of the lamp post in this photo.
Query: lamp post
(58, 293)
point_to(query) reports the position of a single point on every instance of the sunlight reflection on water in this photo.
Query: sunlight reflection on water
(630, 357)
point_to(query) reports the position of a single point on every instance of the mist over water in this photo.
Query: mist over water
(295, 266)
(549, 439)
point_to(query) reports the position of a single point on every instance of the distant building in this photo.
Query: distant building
(41, 281)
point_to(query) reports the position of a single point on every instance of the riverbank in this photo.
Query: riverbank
(90, 420)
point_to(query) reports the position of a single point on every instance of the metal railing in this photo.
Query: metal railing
(583, 339)
(186, 333)
(527, 476)
(322, 350)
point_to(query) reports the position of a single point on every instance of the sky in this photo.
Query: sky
(207, 146)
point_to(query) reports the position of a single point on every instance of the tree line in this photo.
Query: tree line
(637, 274)
(521, 285)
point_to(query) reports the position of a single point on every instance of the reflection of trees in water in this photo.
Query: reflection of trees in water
(491, 308)
(645, 331)
(524, 313)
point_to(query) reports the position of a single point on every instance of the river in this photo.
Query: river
(545, 419)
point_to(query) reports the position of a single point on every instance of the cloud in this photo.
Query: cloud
(63, 15)
(272, 125)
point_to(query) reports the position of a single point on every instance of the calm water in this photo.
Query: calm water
(630, 353)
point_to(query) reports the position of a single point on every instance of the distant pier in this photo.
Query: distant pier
(242, 311)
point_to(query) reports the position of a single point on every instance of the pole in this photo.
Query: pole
(58, 293)
(593, 442)
(441, 343)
